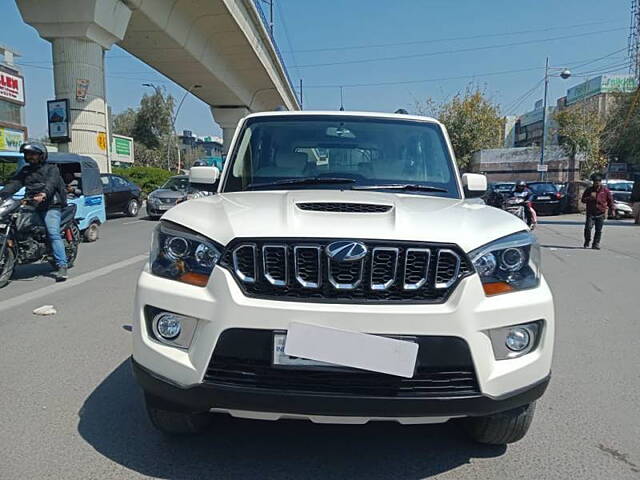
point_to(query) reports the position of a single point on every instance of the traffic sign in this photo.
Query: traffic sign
(543, 168)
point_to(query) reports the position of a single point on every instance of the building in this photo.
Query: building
(210, 146)
(512, 164)
(13, 131)
(526, 130)
(598, 93)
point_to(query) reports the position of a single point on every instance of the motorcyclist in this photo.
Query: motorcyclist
(522, 191)
(44, 186)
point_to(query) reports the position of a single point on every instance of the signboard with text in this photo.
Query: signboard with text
(601, 84)
(122, 149)
(11, 87)
(11, 139)
(58, 119)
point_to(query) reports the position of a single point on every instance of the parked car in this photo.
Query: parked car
(353, 286)
(619, 185)
(167, 196)
(496, 192)
(546, 198)
(120, 195)
(622, 205)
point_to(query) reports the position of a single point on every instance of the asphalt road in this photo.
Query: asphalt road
(69, 407)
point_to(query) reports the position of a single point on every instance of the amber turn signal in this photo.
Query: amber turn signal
(496, 288)
(196, 279)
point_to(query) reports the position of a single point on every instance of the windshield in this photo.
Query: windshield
(621, 186)
(543, 188)
(179, 183)
(276, 153)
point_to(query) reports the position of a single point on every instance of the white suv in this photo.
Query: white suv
(341, 275)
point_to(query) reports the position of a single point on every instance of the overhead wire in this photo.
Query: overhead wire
(447, 39)
(451, 51)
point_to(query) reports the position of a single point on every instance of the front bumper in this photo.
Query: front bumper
(203, 398)
(176, 376)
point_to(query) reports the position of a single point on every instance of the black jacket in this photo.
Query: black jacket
(36, 179)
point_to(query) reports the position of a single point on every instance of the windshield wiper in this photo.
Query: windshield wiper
(302, 181)
(401, 186)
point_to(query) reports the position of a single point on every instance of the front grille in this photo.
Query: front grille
(344, 207)
(242, 358)
(168, 201)
(301, 270)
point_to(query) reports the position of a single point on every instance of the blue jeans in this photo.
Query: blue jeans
(51, 219)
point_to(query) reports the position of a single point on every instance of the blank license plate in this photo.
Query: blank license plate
(323, 346)
(544, 198)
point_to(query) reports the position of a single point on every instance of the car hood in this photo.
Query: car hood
(224, 217)
(167, 193)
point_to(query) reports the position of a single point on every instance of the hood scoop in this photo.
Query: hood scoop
(341, 207)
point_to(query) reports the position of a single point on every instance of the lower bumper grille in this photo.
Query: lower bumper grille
(243, 358)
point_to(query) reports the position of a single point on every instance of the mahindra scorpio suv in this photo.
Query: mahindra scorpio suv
(341, 274)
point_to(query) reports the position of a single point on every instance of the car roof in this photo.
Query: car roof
(334, 113)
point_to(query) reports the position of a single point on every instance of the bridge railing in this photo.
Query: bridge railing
(265, 22)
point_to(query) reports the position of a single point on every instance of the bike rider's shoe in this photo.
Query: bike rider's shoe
(586, 245)
(61, 274)
(596, 246)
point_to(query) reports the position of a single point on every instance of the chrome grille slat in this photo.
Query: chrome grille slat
(390, 271)
(446, 272)
(384, 267)
(304, 267)
(275, 267)
(416, 271)
(245, 268)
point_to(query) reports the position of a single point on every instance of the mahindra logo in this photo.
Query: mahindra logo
(346, 251)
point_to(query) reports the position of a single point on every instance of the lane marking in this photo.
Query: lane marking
(72, 282)
(135, 221)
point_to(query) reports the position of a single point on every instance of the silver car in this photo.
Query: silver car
(167, 196)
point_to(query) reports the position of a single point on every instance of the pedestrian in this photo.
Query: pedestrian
(599, 201)
(635, 200)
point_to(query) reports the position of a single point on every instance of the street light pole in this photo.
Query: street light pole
(544, 118)
(173, 125)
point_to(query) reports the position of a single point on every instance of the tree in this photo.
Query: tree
(472, 120)
(622, 130)
(151, 128)
(580, 131)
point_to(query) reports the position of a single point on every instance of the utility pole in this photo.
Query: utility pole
(544, 118)
(634, 41)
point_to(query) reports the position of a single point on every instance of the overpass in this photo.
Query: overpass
(222, 45)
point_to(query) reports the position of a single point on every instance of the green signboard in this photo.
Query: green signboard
(122, 146)
(601, 84)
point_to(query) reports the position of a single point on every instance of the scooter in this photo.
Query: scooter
(23, 236)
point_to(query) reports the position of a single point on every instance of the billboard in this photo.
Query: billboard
(121, 149)
(58, 119)
(11, 139)
(601, 84)
(11, 87)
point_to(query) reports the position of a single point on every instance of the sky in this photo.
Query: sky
(387, 54)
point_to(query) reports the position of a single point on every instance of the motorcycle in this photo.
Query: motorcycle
(517, 205)
(23, 237)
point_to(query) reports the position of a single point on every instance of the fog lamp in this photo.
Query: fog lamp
(518, 339)
(167, 325)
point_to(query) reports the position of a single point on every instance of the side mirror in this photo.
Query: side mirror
(474, 185)
(205, 176)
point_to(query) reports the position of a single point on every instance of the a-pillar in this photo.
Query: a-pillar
(80, 32)
(228, 119)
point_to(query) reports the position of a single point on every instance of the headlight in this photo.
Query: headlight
(182, 254)
(508, 264)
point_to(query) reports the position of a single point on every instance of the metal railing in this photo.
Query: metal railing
(267, 26)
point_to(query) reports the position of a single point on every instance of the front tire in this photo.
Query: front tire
(176, 423)
(7, 266)
(71, 247)
(132, 208)
(501, 428)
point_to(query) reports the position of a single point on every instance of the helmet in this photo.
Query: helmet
(596, 177)
(521, 185)
(35, 147)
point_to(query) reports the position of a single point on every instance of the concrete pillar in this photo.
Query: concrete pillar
(80, 32)
(228, 119)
